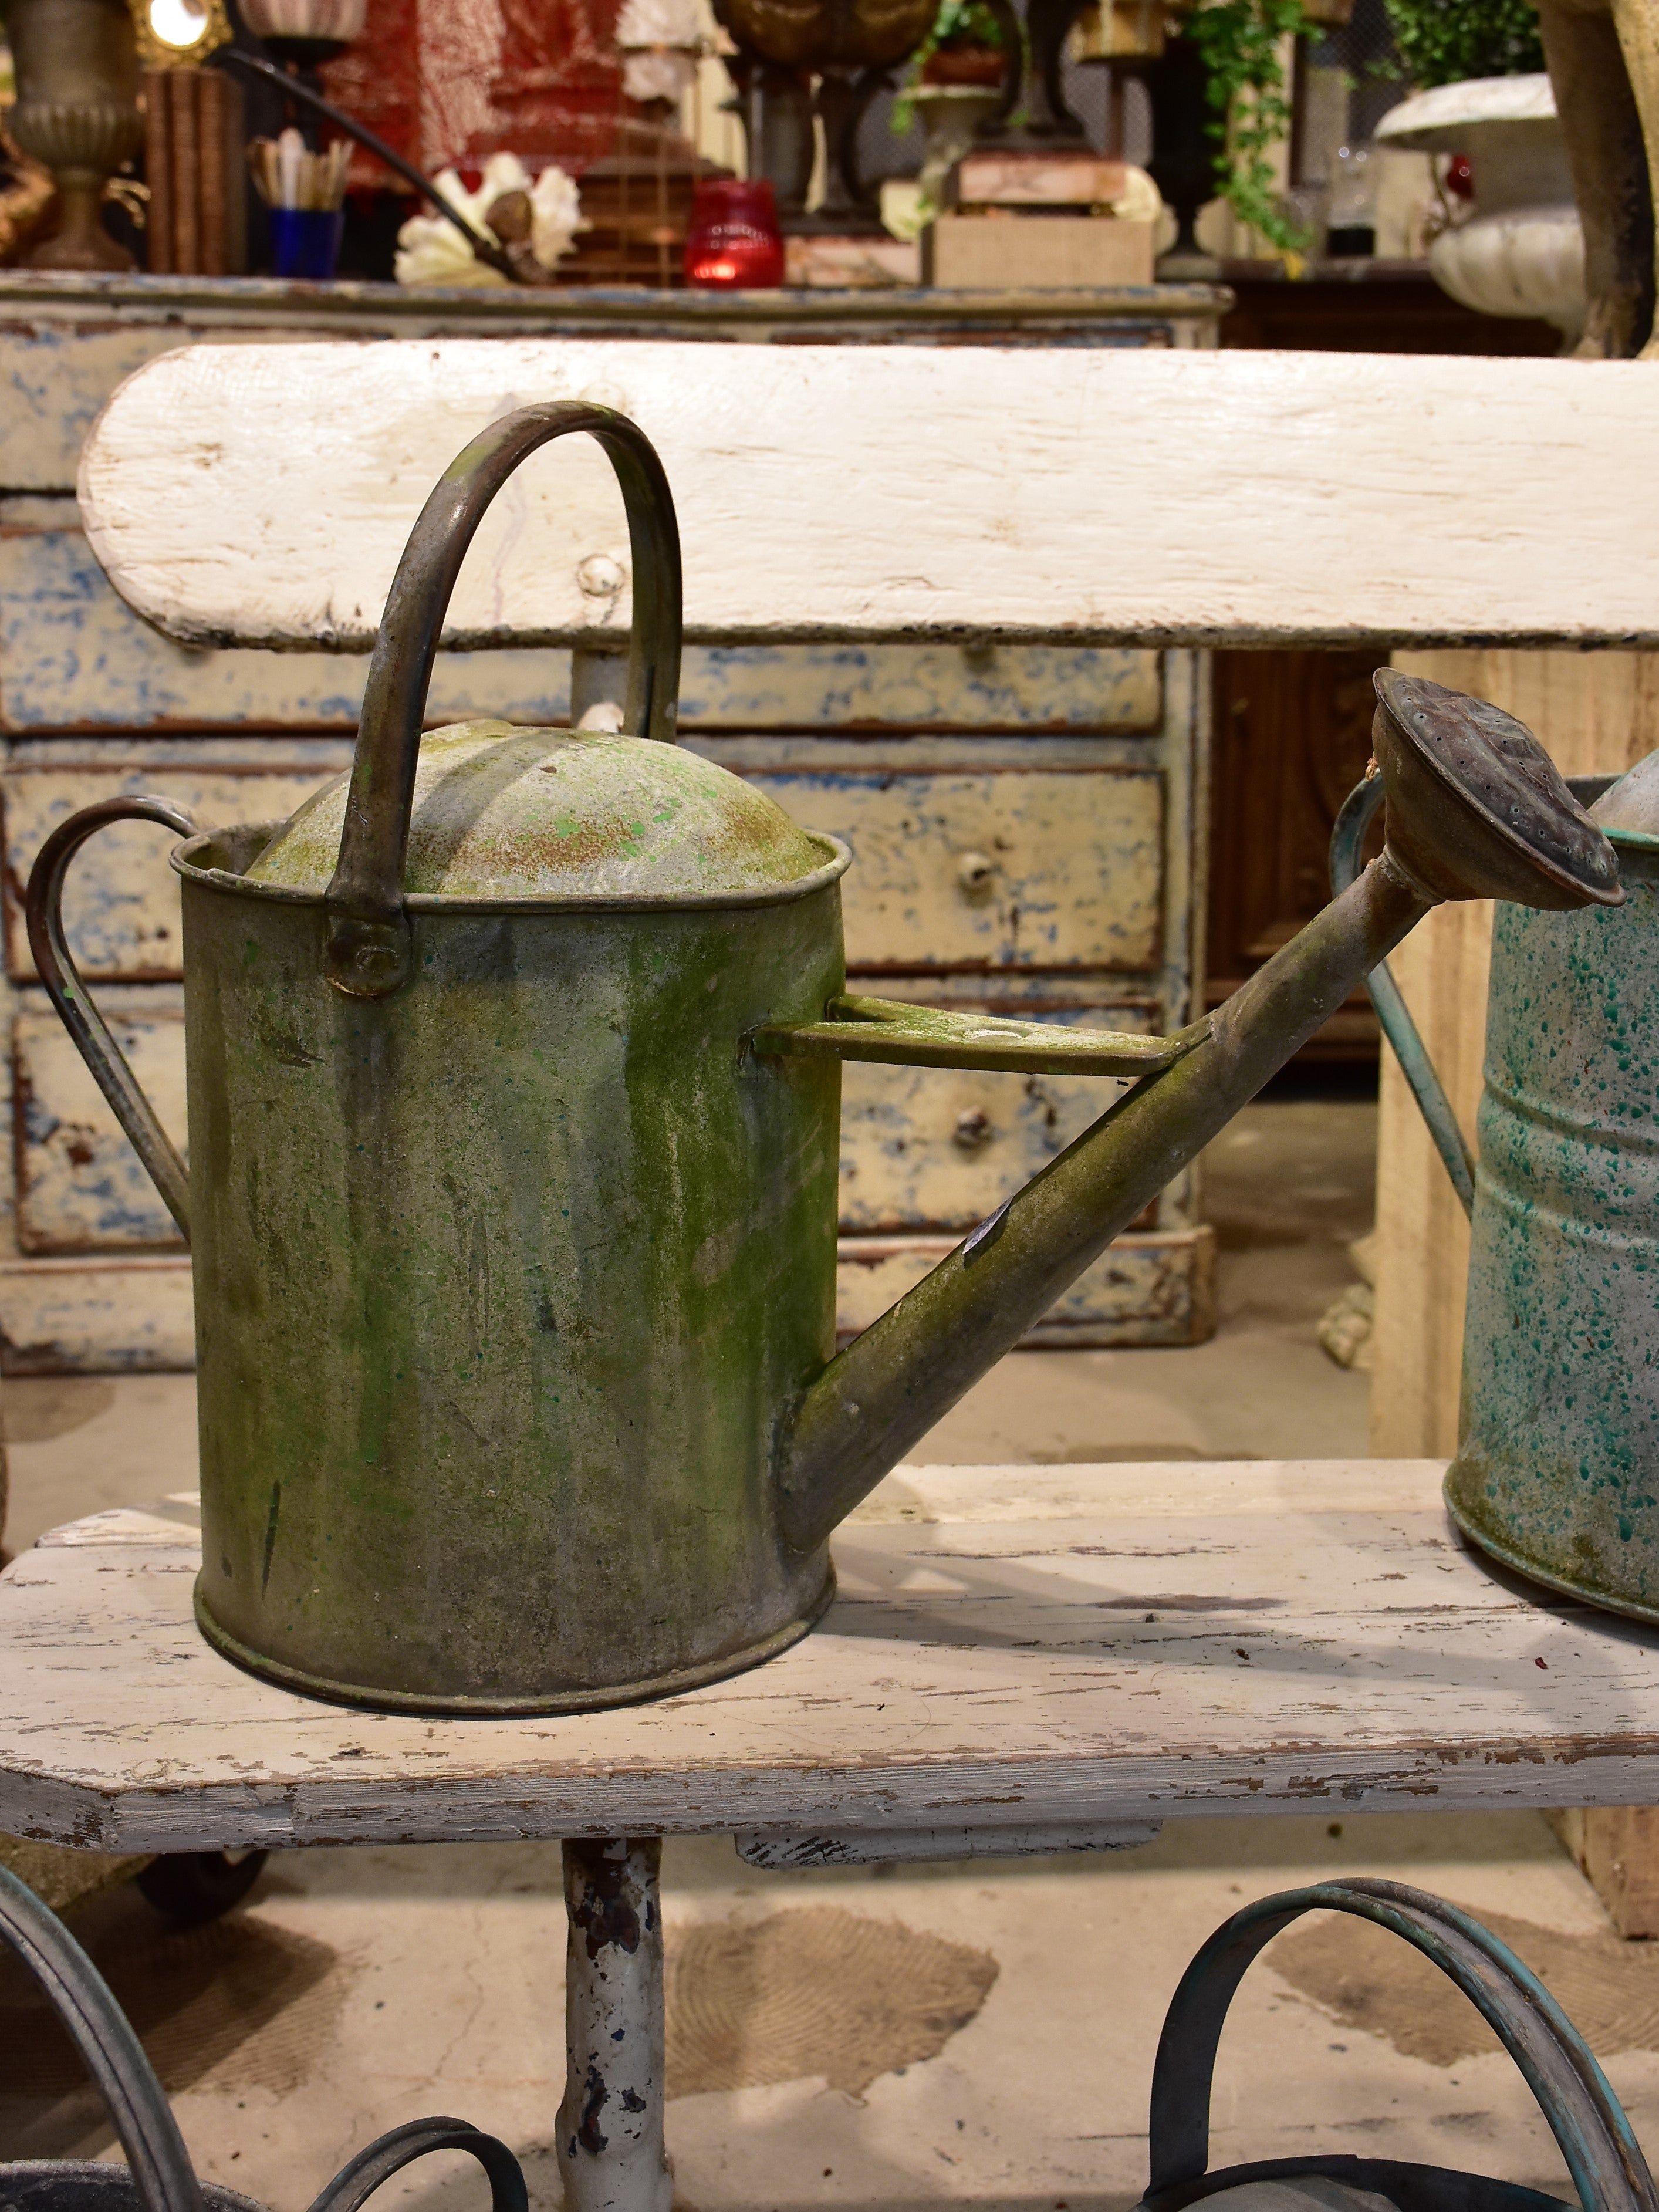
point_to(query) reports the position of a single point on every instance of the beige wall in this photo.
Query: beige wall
(1590, 711)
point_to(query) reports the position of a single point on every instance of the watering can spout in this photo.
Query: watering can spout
(1475, 810)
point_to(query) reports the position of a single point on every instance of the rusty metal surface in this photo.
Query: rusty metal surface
(1519, 832)
(610, 2129)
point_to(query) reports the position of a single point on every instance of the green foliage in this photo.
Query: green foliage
(959, 23)
(1441, 41)
(1250, 114)
(965, 23)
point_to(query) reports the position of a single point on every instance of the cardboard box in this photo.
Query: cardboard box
(1042, 253)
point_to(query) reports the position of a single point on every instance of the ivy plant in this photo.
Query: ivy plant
(1441, 41)
(1238, 42)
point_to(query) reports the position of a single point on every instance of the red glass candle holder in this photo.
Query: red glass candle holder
(734, 242)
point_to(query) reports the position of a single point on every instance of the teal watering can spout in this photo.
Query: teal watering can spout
(1475, 811)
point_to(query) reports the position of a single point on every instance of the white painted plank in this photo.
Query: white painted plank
(1141, 1642)
(261, 495)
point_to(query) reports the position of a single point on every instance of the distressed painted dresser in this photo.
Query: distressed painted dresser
(1023, 815)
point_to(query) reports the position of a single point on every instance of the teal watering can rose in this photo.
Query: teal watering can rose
(513, 1080)
(1557, 1471)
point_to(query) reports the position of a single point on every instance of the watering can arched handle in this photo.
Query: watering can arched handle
(1596, 2140)
(43, 908)
(1392, 1012)
(368, 951)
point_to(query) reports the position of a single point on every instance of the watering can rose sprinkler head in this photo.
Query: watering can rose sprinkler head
(1518, 833)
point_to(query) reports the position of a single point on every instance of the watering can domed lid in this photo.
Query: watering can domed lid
(507, 813)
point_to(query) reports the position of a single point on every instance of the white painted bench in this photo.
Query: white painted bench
(1017, 1659)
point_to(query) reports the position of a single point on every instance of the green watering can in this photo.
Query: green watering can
(513, 1081)
(1557, 1471)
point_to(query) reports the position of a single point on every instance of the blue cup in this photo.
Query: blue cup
(306, 241)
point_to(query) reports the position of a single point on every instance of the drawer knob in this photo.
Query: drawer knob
(973, 1130)
(975, 872)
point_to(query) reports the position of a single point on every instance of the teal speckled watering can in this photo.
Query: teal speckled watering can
(1557, 1471)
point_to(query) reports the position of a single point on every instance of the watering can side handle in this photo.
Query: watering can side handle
(1392, 1012)
(1602, 2153)
(43, 908)
(367, 955)
(112, 2053)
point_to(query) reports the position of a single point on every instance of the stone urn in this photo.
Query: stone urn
(1521, 250)
(77, 113)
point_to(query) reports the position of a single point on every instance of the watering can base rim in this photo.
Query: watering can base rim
(1534, 1571)
(373, 1699)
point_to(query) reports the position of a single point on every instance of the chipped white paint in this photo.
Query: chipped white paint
(1317, 1640)
(68, 339)
(1050, 494)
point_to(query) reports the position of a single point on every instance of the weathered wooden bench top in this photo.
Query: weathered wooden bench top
(260, 496)
(1010, 1645)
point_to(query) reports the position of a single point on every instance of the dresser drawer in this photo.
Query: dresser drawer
(1153, 1288)
(1025, 688)
(1049, 868)
(121, 900)
(940, 1148)
(79, 1186)
(77, 658)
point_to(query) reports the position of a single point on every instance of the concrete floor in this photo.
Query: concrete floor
(867, 2038)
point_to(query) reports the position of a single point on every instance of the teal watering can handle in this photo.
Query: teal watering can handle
(367, 952)
(1602, 2153)
(43, 908)
(1347, 838)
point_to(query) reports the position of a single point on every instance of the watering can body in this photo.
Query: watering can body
(514, 1090)
(501, 1278)
(1557, 1470)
